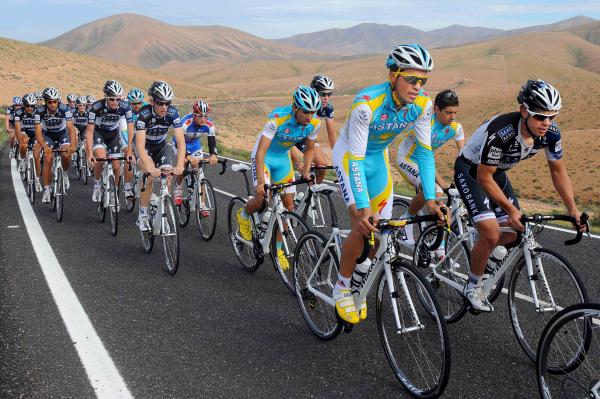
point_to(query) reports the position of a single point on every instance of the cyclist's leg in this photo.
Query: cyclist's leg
(37, 152)
(257, 202)
(65, 142)
(99, 149)
(114, 149)
(48, 158)
(319, 160)
(23, 142)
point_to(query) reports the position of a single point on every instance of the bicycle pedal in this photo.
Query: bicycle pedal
(348, 327)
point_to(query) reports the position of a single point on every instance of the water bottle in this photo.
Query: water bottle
(298, 199)
(495, 259)
(265, 218)
(153, 204)
(360, 271)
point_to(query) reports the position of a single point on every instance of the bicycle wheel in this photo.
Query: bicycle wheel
(243, 250)
(419, 353)
(60, 196)
(455, 267)
(130, 202)
(84, 168)
(293, 226)
(31, 180)
(557, 286)
(170, 235)
(206, 210)
(147, 236)
(113, 205)
(315, 275)
(77, 165)
(318, 213)
(22, 170)
(100, 209)
(568, 361)
(399, 209)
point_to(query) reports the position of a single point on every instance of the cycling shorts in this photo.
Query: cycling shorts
(162, 154)
(278, 169)
(409, 170)
(57, 140)
(378, 179)
(476, 200)
(194, 149)
(112, 145)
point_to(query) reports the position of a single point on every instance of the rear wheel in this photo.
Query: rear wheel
(183, 210)
(130, 202)
(401, 208)
(206, 210)
(170, 235)
(293, 226)
(113, 205)
(318, 213)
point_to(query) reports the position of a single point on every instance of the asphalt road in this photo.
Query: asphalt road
(212, 330)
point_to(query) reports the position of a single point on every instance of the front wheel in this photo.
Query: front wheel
(556, 286)
(416, 345)
(60, 196)
(283, 245)
(243, 249)
(206, 210)
(100, 209)
(315, 274)
(170, 235)
(31, 180)
(567, 364)
(113, 205)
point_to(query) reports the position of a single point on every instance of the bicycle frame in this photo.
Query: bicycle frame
(158, 219)
(107, 172)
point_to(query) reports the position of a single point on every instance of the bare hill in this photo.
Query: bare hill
(142, 41)
(26, 67)
(589, 32)
(378, 38)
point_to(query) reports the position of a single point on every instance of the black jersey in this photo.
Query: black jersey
(80, 120)
(156, 127)
(106, 120)
(498, 142)
(27, 121)
(53, 124)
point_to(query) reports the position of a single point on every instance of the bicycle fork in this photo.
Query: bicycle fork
(394, 295)
(536, 276)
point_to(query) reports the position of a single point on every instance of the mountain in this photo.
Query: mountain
(589, 32)
(142, 41)
(27, 67)
(379, 38)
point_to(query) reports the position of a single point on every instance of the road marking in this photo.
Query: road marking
(101, 371)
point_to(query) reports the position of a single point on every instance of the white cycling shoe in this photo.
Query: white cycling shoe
(477, 299)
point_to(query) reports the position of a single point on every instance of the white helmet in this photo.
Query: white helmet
(81, 100)
(71, 97)
(410, 56)
(161, 91)
(112, 88)
(322, 83)
(50, 93)
(538, 95)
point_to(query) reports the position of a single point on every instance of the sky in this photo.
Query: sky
(38, 20)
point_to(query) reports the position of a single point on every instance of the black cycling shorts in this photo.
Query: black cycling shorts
(110, 142)
(162, 154)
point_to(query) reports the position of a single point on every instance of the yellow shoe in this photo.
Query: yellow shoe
(283, 260)
(362, 309)
(245, 230)
(344, 305)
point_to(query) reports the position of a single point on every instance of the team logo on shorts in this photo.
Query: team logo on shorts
(384, 117)
(287, 130)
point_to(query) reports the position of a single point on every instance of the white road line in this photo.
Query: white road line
(101, 371)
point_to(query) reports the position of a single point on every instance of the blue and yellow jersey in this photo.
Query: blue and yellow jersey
(440, 134)
(373, 122)
(284, 131)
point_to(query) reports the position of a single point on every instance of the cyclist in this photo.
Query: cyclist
(151, 128)
(9, 120)
(39, 98)
(480, 173)
(195, 125)
(380, 113)
(324, 86)
(135, 97)
(80, 117)
(443, 128)
(71, 99)
(54, 129)
(25, 124)
(90, 100)
(271, 159)
(102, 133)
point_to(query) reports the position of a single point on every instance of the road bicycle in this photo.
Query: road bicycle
(315, 205)
(541, 282)
(80, 166)
(199, 197)
(109, 198)
(274, 224)
(30, 172)
(163, 223)
(58, 189)
(411, 325)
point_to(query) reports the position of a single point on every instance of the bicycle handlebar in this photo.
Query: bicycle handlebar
(393, 224)
(279, 187)
(327, 167)
(110, 159)
(538, 218)
(145, 176)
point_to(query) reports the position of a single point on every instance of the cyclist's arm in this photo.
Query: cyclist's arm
(309, 154)
(7, 120)
(331, 136)
(263, 145)
(424, 152)
(39, 136)
(72, 134)
(358, 135)
(17, 125)
(564, 186)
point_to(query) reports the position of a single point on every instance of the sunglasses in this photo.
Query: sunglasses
(161, 103)
(412, 79)
(136, 103)
(323, 94)
(51, 101)
(201, 115)
(114, 99)
(541, 117)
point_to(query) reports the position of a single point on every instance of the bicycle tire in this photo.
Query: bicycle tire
(294, 227)
(435, 356)
(567, 338)
(243, 251)
(519, 290)
(320, 316)
(170, 237)
(206, 224)
(147, 236)
(100, 209)
(113, 205)
(60, 196)
(31, 180)
(77, 165)
(130, 202)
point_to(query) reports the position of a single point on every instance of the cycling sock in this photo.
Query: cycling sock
(344, 280)
(96, 183)
(46, 188)
(474, 281)
(127, 186)
(143, 210)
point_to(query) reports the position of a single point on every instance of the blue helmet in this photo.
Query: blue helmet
(17, 100)
(307, 99)
(135, 95)
(410, 56)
